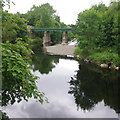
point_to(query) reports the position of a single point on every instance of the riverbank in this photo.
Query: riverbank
(100, 57)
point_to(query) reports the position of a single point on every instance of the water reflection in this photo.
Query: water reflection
(43, 63)
(91, 86)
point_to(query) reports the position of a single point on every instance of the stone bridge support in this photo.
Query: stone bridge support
(65, 37)
(46, 38)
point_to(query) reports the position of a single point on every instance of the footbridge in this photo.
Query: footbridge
(51, 29)
(46, 38)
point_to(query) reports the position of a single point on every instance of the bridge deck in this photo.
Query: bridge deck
(51, 29)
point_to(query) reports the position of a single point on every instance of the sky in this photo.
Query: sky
(68, 10)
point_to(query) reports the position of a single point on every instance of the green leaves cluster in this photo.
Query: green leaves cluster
(98, 29)
(13, 27)
(42, 16)
(18, 81)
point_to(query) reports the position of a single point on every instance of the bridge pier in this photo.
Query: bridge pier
(65, 37)
(46, 38)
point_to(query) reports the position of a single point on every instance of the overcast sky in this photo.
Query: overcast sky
(66, 9)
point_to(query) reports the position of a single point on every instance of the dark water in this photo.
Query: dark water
(74, 90)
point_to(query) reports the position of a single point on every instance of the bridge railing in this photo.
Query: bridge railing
(51, 29)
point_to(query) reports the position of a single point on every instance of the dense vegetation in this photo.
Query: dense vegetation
(17, 80)
(44, 16)
(97, 31)
(13, 27)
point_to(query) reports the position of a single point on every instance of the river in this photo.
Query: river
(74, 90)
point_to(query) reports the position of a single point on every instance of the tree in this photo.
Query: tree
(36, 13)
(44, 20)
(44, 16)
(13, 27)
(18, 81)
(7, 27)
(97, 33)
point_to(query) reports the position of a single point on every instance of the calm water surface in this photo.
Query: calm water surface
(74, 90)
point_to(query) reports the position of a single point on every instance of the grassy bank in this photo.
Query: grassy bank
(100, 56)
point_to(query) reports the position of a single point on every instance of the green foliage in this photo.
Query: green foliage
(35, 43)
(63, 25)
(7, 24)
(13, 27)
(43, 13)
(70, 35)
(21, 27)
(105, 56)
(18, 81)
(88, 27)
(44, 16)
(44, 21)
(98, 29)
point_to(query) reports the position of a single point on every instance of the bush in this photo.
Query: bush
(18, 81)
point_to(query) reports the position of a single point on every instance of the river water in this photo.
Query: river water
(74, 90)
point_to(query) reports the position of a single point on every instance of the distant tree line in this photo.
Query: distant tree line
(44, 16)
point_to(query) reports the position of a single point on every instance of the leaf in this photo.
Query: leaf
(3, 69)
(14, 74)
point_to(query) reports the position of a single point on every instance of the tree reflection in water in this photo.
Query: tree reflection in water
(44, 63)
(92, 85)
